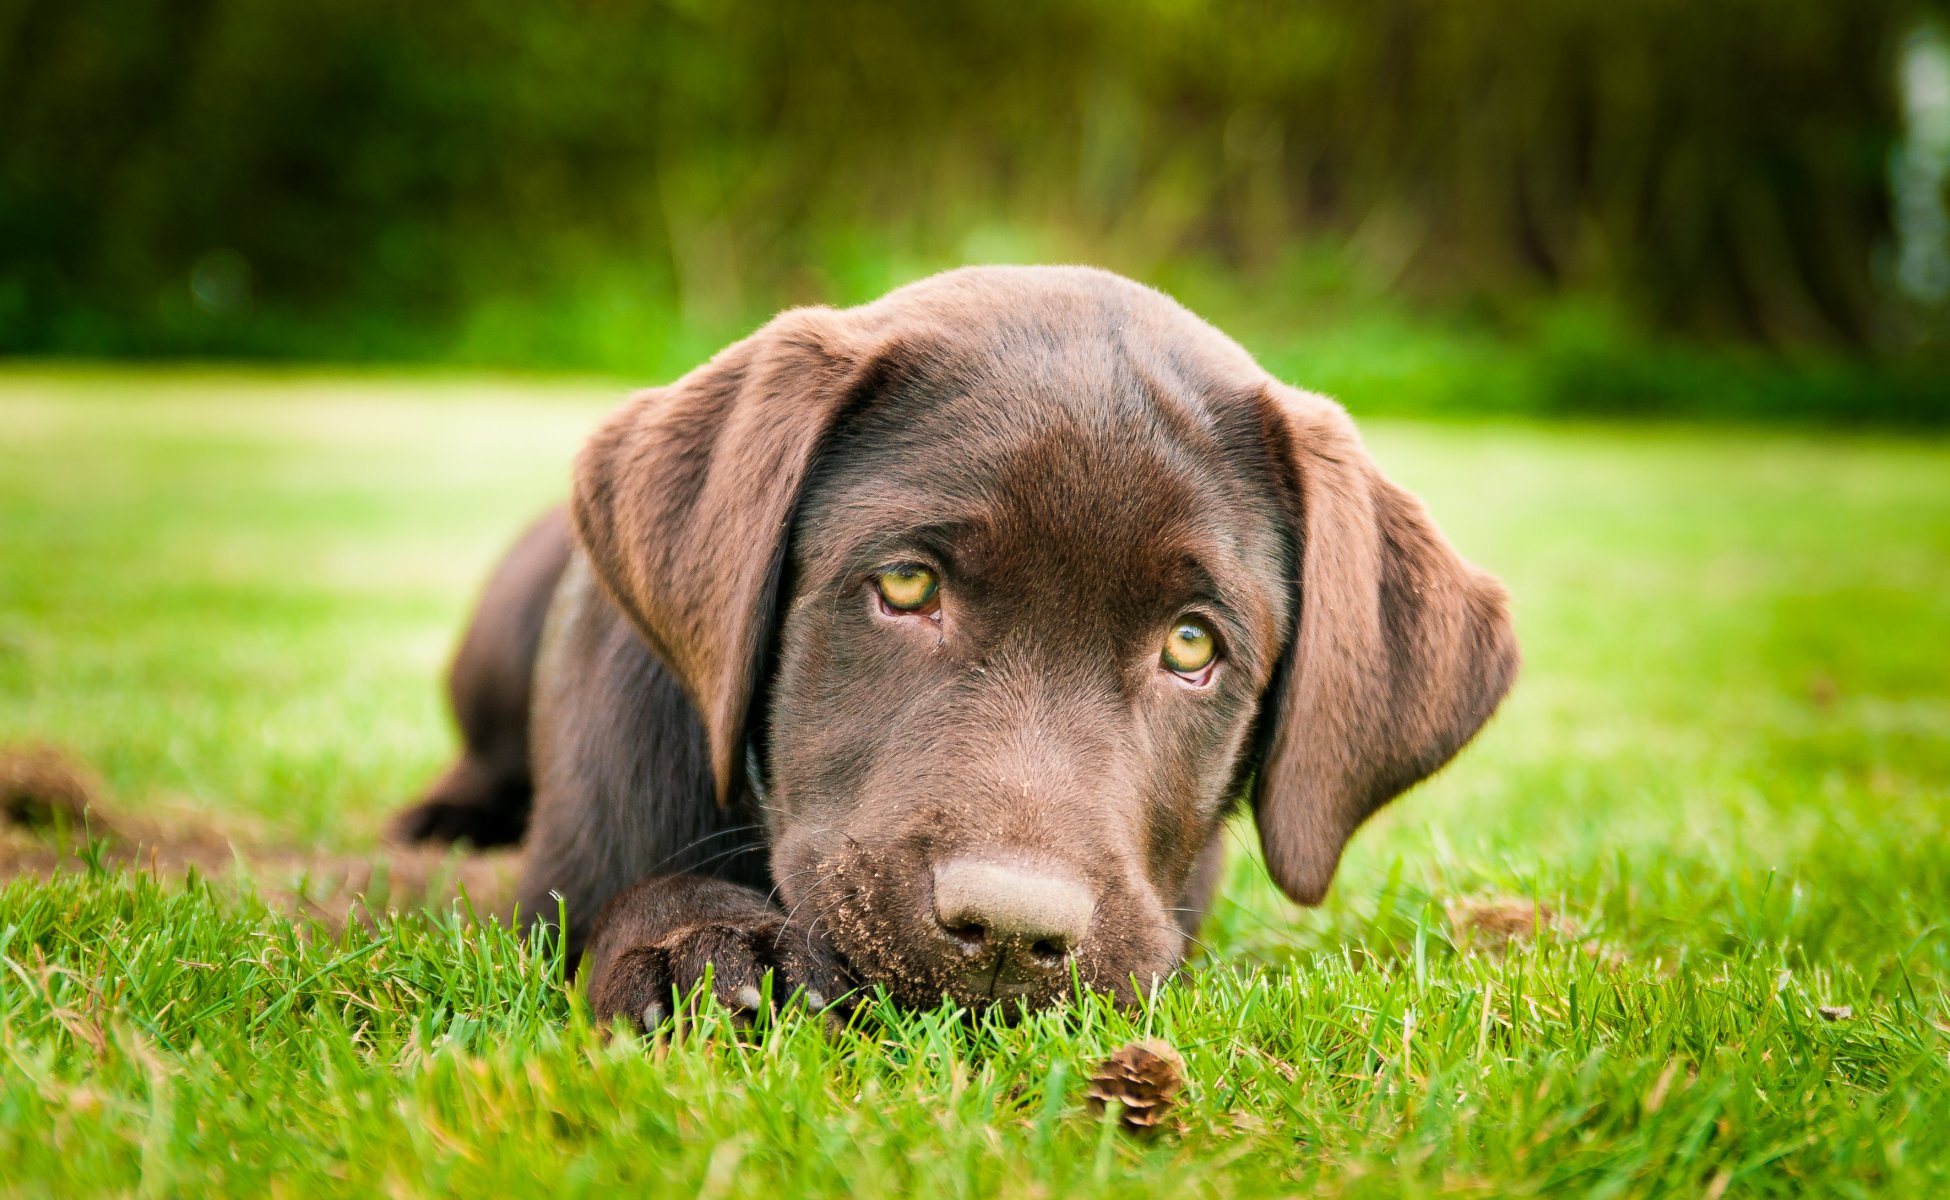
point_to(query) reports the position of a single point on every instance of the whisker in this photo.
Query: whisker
(812, 926)
(694, 843)
(780, 883)
(1204, 946)
(795, 909)
(773, 894)
(720, 856)
(811, 929)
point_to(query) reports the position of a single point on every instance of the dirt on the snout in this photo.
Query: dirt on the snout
(55, 816)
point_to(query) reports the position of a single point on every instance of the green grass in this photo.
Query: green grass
(1725, 768)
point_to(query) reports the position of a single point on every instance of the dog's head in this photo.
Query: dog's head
(999, 592)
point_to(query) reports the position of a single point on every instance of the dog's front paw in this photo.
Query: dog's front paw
(640, 983)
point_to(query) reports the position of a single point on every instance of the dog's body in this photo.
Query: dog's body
(928, 644)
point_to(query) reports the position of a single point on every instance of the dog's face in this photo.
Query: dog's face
(997, 592)
(1030, 618)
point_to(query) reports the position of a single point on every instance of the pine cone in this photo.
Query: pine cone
(1142, 1079)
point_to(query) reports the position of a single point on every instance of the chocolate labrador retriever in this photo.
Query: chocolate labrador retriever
(929, 644)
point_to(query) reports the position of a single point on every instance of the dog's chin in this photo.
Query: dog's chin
(922, 980)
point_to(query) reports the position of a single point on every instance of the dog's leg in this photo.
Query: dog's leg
(654, 943)
(622, 780)
(483, 797)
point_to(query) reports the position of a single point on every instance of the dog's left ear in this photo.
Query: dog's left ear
(684, 497)
(1401, 650)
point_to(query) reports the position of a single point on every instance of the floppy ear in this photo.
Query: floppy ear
(1400, 652)
(683, 498)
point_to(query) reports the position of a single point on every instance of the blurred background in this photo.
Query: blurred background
(1526, 207)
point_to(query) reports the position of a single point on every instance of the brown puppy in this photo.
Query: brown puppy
(928, 644)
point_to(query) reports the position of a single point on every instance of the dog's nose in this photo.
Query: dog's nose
(1013, 921)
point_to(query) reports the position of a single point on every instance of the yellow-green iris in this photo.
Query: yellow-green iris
(1189, 648)
(907, 588)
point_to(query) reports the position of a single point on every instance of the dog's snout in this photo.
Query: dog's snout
(1014, 921)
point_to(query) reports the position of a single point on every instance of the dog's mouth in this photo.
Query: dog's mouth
(878, 916)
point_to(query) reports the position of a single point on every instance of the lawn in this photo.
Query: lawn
(1717, 804)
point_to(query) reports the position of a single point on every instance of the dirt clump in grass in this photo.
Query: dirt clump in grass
(337, 888)
(1501, 923)
(1494, 922)
(55, 816)
(43, 787)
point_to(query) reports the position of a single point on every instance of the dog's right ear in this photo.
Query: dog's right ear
(1402, 649)
(684, 497)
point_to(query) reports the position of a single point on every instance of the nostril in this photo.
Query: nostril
(1030, 919)
(1049, 951)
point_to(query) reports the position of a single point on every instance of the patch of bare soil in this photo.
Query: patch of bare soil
(53, 806)
(1496, 921)
(1501, 923)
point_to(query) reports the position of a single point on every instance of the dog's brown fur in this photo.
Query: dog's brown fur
(736, 758)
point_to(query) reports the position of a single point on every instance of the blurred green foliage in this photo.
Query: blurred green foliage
(624, 186)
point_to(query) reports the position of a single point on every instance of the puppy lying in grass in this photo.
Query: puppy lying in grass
(928, 645)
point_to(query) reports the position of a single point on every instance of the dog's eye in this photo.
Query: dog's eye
(1190, 649)
(908, 588)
